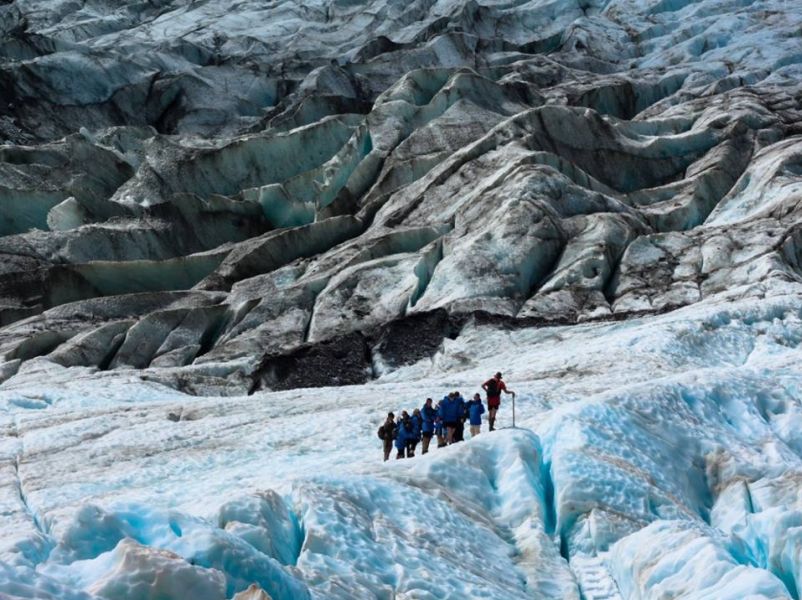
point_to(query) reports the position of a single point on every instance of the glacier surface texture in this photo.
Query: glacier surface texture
(235, 234)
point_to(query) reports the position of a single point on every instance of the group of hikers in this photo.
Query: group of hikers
(444, 420)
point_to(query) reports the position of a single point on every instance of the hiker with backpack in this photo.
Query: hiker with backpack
(387, 434)
(450, 414)
(439, 431)
(428, 414)
(403, 434)
(475, 411)
(493, 387)
(414, 438)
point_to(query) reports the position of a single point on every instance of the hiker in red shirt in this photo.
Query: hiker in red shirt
(494, 386)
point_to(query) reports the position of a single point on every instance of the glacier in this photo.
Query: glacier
(616, 482)
(234, 235)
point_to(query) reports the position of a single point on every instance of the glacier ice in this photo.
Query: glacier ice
(704, 458)
(233, 235)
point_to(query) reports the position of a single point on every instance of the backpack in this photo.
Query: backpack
(381, 433)
(492, 388)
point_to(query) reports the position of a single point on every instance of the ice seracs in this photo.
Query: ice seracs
(564, 185)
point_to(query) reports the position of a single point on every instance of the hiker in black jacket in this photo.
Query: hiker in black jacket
(387, 434)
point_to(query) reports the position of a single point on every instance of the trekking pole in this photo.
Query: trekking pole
(513, 411)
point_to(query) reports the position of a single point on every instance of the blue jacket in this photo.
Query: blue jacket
(475, 411)
(428, 413)
(402, 434)
(462, 410)
(438, 427)
(449, 410)
(416, 427)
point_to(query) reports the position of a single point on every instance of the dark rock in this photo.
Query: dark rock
(341, 361)
(406, 341)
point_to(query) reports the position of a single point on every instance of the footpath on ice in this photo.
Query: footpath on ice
(657, 457)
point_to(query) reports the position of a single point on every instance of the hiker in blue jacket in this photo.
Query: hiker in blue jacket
(475, 411)
(450, 414)
(414, 437)
(439, 431)
(403, 431)
(428, 413)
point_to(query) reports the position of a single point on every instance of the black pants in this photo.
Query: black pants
(459, 432)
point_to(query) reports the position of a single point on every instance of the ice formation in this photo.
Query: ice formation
(233, 235)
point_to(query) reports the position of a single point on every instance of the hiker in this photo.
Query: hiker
(439, 431)
(475, 411)
(439, 428)
(403, 432)
(459, 430)
(493, 387)
(387, 433)
(414, 437)
(428, 413)
(449, 413)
